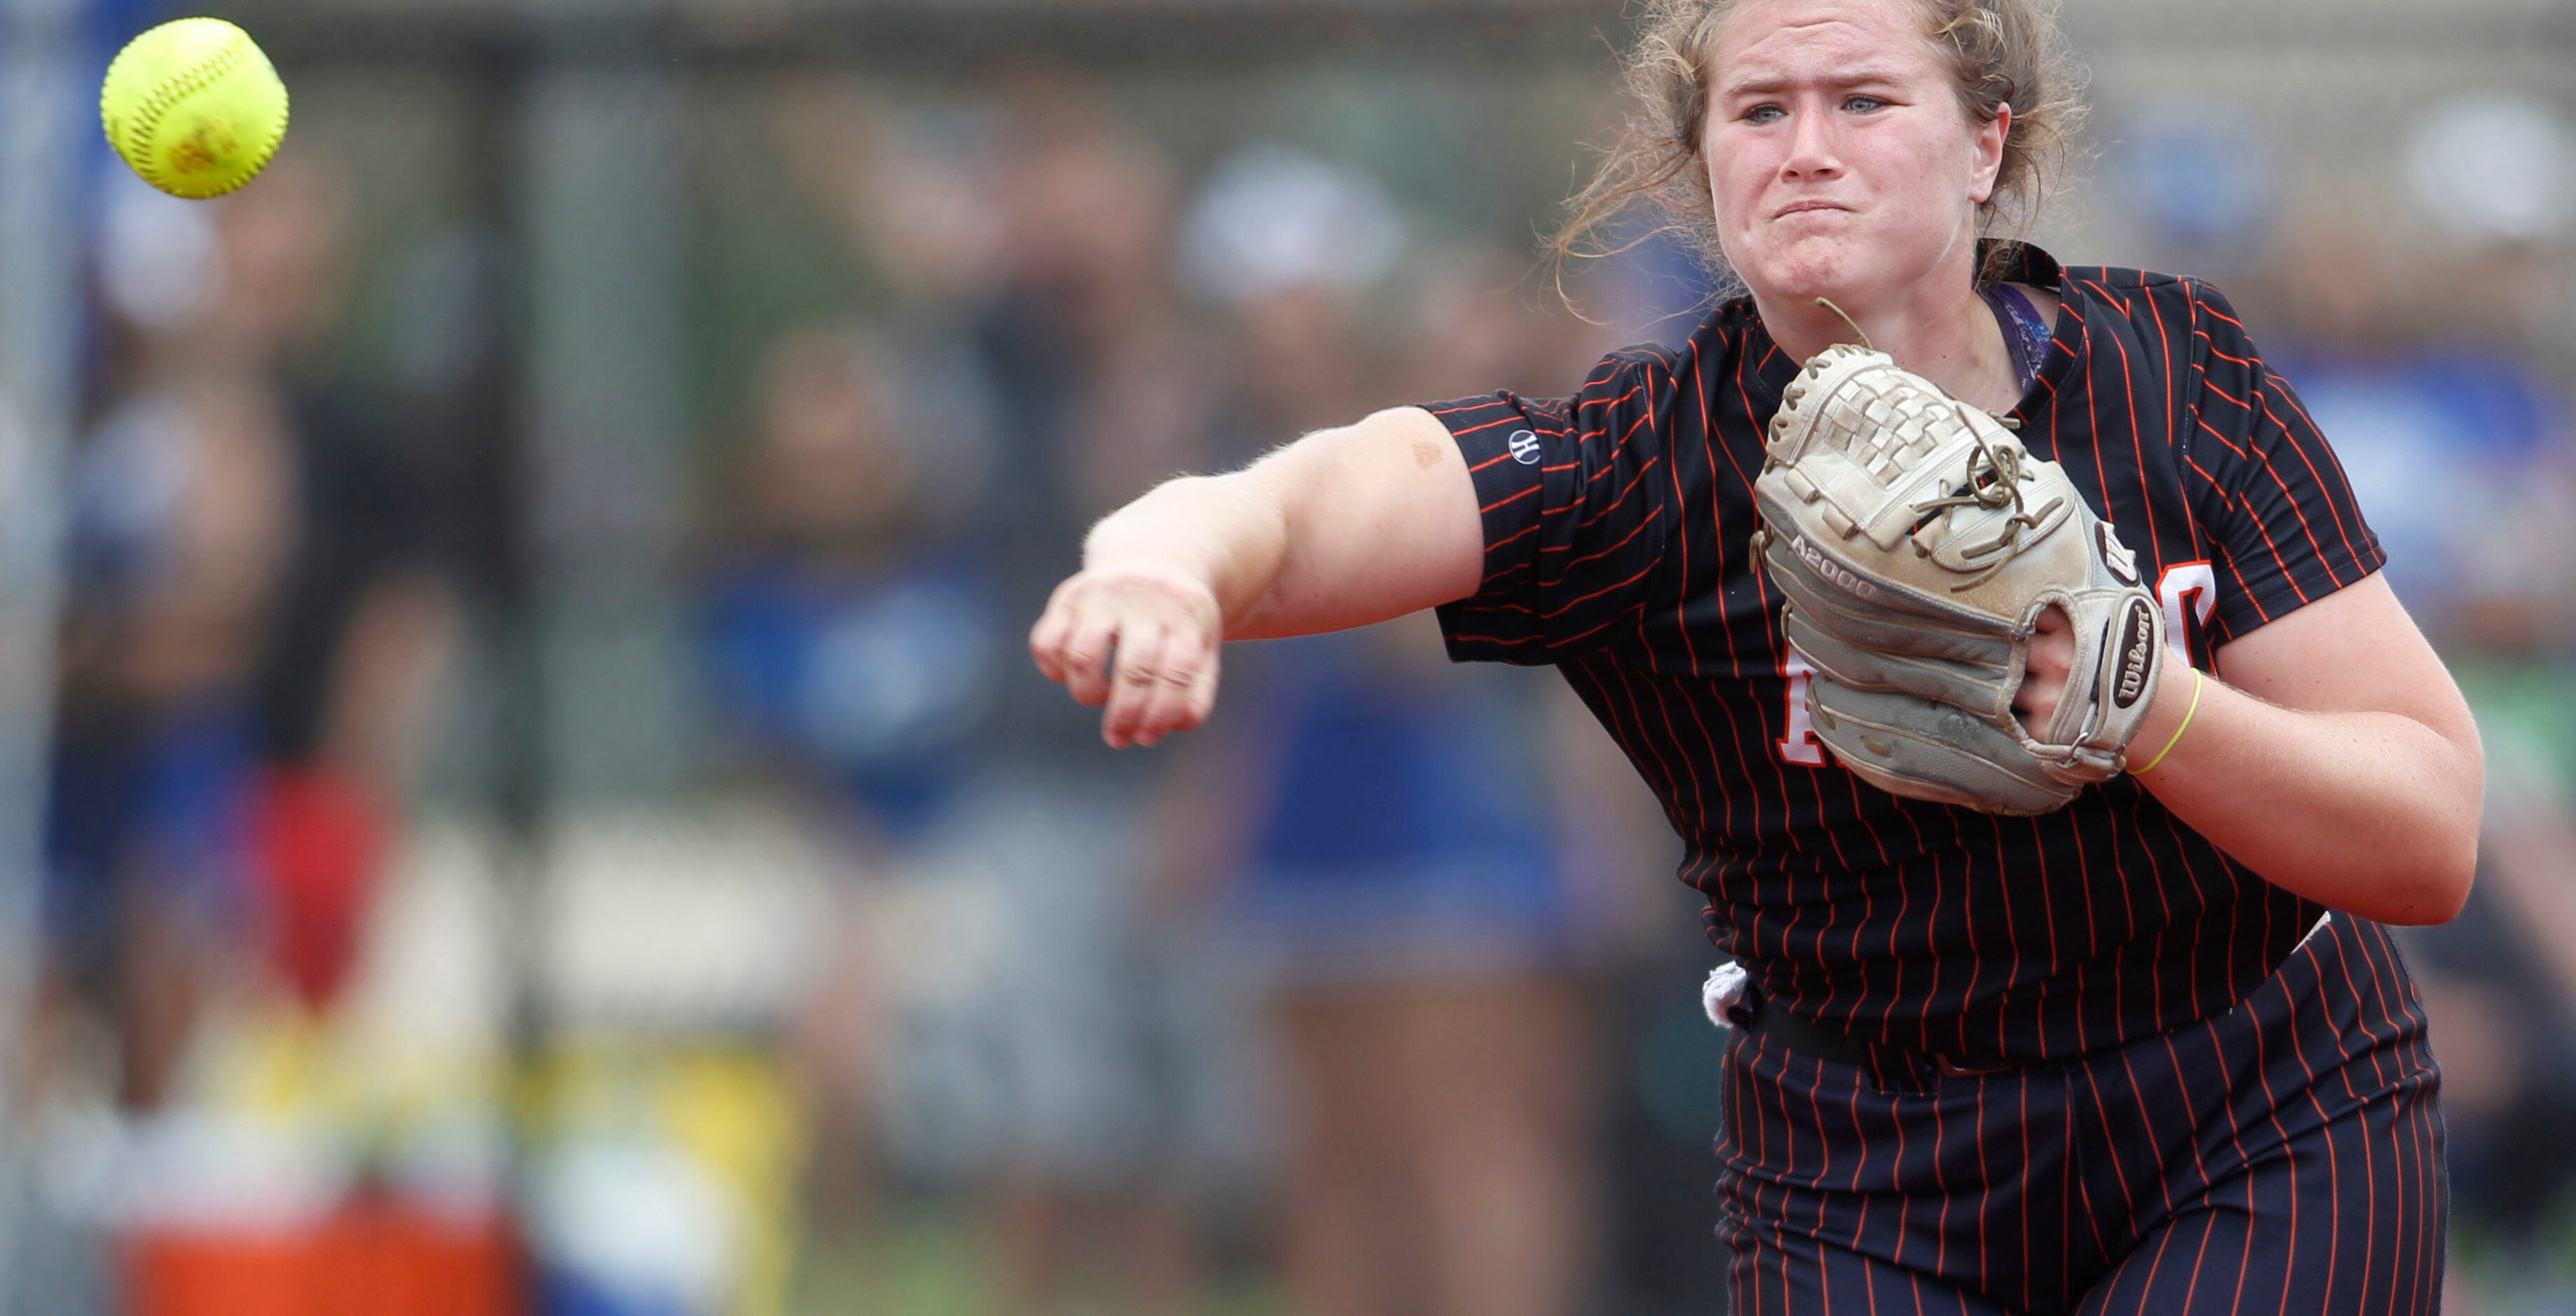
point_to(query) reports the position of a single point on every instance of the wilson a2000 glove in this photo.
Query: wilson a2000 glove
(1918, 542)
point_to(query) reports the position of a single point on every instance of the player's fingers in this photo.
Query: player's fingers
(1047, 637)
(1202, 697)
(1087, 649)
(2036, 699)
(1176, 677)
(2047, 668)
(2056, 635)
(1133, 685)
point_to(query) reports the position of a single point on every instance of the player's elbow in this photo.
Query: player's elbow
(2436, 893)
(2430, 860)
(2458, 880)
(2432, 886)
(2451, 864)
(2455, 870)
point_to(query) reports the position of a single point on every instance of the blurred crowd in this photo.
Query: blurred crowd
(1375, 997)
(1315, 976)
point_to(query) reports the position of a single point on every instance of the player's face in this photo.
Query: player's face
(1841, 162)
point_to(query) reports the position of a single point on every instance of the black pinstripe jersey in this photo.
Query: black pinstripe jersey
(1615, 527)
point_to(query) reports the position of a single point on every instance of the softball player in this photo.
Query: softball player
(2120, 1057)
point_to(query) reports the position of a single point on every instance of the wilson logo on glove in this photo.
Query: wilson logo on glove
(2137, 655)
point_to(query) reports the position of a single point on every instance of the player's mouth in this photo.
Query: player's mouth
(1806, 206)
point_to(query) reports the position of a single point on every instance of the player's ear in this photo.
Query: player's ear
(1988, 161)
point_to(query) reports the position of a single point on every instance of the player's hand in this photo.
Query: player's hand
(2050, 660)
(1143, 642)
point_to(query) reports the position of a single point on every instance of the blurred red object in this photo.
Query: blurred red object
(363, 1261)
(319, 836)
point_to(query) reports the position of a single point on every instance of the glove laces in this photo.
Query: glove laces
(2003, 472)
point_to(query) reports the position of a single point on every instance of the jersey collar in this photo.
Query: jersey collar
(1772, 368)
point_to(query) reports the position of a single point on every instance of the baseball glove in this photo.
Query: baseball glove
(1918, 542)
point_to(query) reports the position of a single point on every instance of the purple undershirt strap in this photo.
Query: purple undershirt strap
(2024, 332)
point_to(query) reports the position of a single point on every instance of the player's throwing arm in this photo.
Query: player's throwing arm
(1343, 528)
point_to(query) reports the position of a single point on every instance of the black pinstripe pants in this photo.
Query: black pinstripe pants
(2283, 1157)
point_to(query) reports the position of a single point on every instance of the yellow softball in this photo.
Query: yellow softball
(194, 106)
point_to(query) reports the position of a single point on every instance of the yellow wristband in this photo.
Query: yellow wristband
(2197, 681)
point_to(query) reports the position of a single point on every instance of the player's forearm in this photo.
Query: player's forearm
(1223, 531)
(1345, 527)
(2371, 812)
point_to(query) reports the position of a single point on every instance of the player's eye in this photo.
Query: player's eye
(1765, 113)
(1863, 104)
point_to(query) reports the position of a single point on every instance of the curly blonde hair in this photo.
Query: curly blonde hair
(2003, 51)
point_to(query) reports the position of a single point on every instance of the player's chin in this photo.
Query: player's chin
(1809, 264)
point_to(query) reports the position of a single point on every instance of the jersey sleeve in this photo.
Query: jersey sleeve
(2265, 484)
(1577, 510)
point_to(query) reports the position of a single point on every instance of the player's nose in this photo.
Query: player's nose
(1811, 148)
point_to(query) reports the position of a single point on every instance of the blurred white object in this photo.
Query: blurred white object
(432, 984)
(2495, 167)
(639, 1221)
(1274, 218)
(197, 1170)
(159, 263)
(1725, 986)
(665, 922)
